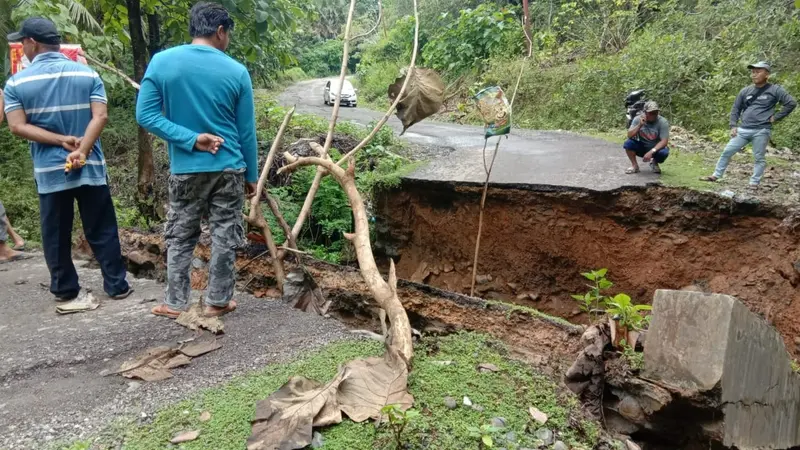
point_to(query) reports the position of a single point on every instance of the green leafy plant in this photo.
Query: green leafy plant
(398, 420)
(635, 359)
(795, 366)
(485, 433)
(593, 301)
(627, 314)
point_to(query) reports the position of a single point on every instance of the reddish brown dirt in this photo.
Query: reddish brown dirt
(542, 341)
(535, 244)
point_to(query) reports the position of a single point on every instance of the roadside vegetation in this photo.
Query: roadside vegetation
(445, 371)
(690, 56)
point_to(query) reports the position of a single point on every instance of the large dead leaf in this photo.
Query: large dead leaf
(150, 365)
(372, 383)
(205, 344)
(285, 420)
(423, 96)
(302, 292)
(194, 319)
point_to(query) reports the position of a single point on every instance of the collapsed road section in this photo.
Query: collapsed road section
(535, 244)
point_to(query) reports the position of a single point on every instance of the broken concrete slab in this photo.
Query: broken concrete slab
(712, 346)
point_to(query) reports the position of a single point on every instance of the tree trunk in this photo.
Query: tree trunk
(527, 18)
(147, 203)
(154, 34)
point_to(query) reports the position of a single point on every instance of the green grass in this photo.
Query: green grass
(508, 394)
(684, 169)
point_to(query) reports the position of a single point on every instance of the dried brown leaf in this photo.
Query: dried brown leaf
(150, 365)
(284, 421)
(194, 319)
(147, 373)
(177, 361)
(186, 436)
(423, 97)
(372, 383)
(205, 344)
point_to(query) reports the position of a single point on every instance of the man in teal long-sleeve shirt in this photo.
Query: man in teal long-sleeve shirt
(208, 120)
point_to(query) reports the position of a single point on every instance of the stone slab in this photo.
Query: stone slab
(713, 344)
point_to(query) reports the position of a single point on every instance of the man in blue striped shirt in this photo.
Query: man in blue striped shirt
(60, 106)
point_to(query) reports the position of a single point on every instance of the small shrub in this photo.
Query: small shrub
(593, 301)
(627, 314)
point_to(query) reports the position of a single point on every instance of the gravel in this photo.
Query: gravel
(50, 382)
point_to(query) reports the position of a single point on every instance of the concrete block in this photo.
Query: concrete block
(713, 345)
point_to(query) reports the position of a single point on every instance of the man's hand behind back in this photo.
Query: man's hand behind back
(250, 189)
(71, 143)
(208, 143)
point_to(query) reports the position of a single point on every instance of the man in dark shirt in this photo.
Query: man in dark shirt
(755, 105)
(648, 138)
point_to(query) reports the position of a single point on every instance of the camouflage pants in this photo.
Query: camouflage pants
(3, 222)
(221, 195)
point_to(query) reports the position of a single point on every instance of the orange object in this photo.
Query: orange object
(19, 61)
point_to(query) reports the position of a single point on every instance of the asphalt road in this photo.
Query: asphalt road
(51, 387)
(545, 159)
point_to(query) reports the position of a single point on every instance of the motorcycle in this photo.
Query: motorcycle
(634, 105)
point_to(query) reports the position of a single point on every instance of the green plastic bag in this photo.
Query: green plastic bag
(495, 111)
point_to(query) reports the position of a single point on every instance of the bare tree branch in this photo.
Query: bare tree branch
(389, 113)
(112, 69)
(306, 210)
(372, 30)
(256, 217)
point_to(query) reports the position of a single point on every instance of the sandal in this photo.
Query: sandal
(654, 167)
(19, 257)
(215, 311)
(632, 170)
(710, 178)
(165, 311)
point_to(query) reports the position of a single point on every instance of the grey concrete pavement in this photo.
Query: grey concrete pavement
(50, 382)
(545, 159)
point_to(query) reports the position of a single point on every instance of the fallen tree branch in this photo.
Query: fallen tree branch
(385, 293)
(312, 192)
(372, 30)
(256, 217)
(114, 70)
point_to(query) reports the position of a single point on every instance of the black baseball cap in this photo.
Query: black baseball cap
(39, 29)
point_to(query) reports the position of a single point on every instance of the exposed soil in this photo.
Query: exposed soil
(535, 244)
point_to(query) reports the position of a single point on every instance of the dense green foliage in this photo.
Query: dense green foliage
(690, 56)
(377, 167)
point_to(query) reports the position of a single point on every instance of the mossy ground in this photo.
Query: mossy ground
(443, 367)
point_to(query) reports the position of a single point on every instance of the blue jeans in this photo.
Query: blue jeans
(640, 148)
(100, 227)
(759, 138)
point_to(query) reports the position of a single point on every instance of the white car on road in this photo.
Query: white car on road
(348, 96)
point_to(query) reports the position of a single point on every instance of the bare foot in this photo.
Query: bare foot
(7, 253)
(216, 311)
(165, 311)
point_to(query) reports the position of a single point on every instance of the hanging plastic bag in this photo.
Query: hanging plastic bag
(495, 111)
